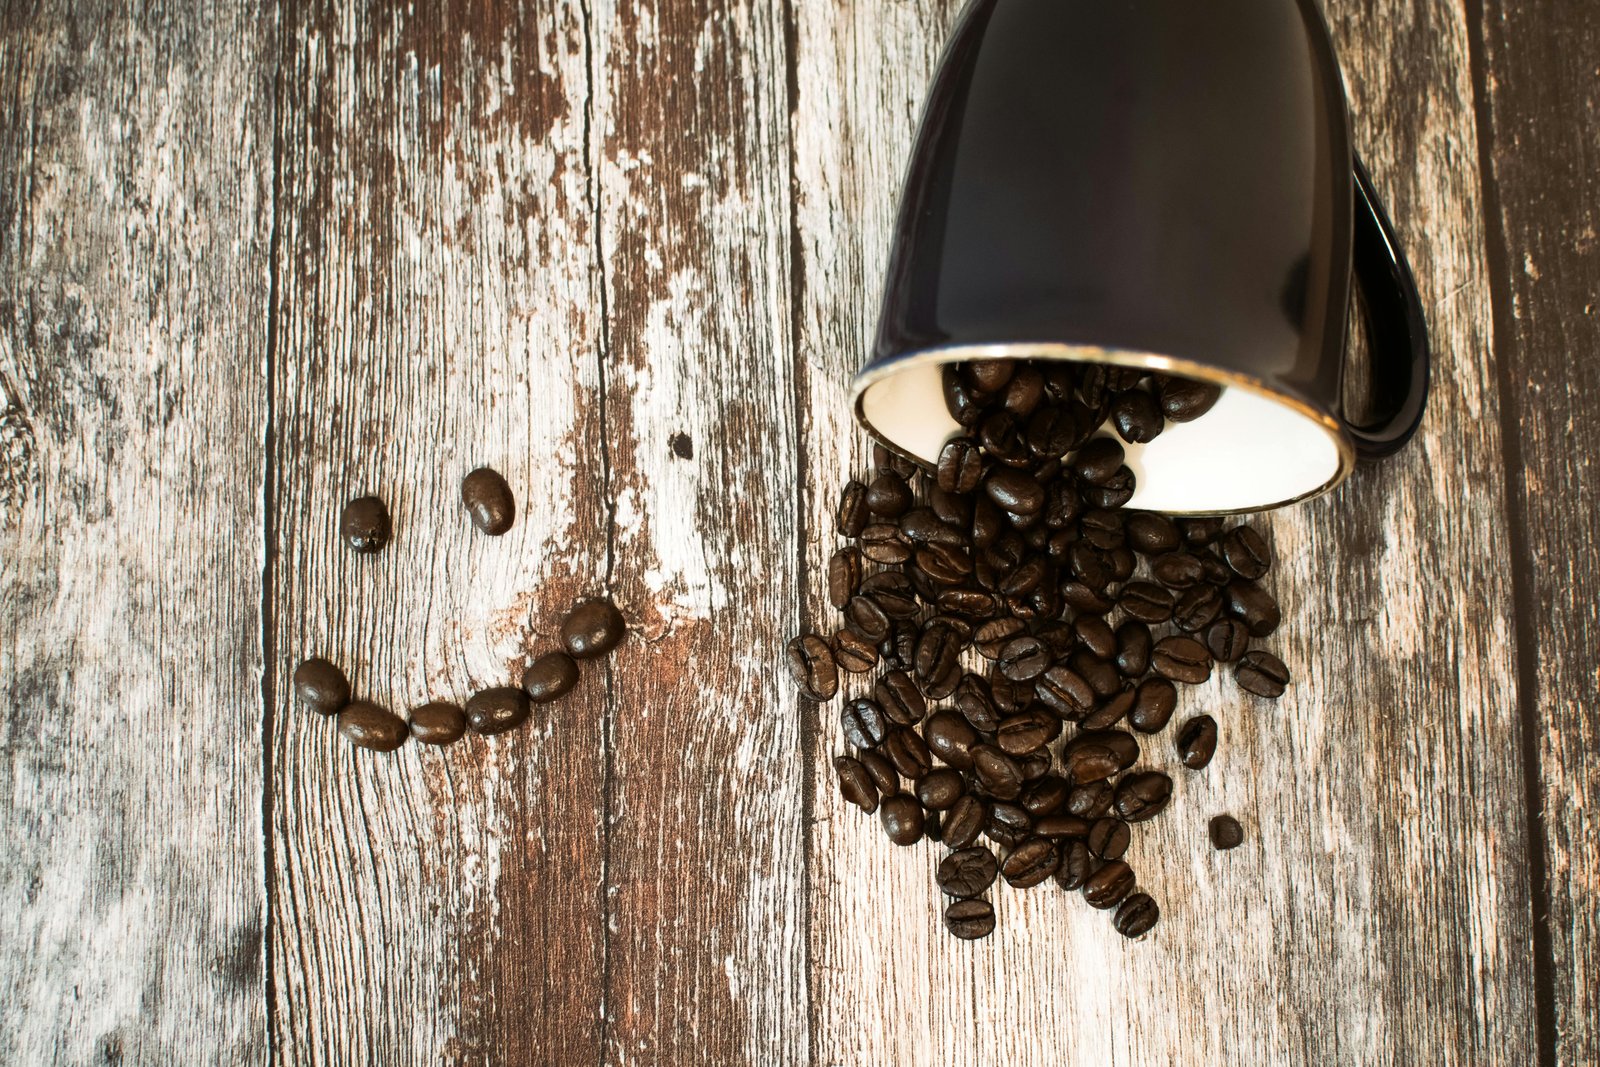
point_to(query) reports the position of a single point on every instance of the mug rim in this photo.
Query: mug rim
(882, 368)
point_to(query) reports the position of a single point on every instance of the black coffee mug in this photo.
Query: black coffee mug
(1160, 184)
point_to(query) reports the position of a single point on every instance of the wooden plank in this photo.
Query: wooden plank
(706, 860)
(135, 215)
(438, 309)
(1538, 104)
(1379, 912)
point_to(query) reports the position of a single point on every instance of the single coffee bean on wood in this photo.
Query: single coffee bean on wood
(1031, 862)
(1142, 796)
(866, 616)
(488, 501)
(1255, 606)
(550, 677)
(855, 784)
(364, 524)
(592, 628)
(1225, 832)
(967, 872)
(864, 724)
(321, 686)
(969, 919)
(1023, 659)
(496, 710)
(844, 576)
(1181, 659)
(1246, 552)
(1263, 674)
(1146, 601)
(1112, 711)
(1197, 741)
(853, 653)
(1201, 530)
(438, 723)
(1136, 915)
(812, 666)
(366, 725)
(1133, 648)
(1196, 608)
(1120, 743)
(1109, 885)
(902, 819)
(1153, 704)
(852, 514)
(1227, 639)
(900, 699)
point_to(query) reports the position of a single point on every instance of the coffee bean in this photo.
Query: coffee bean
(967, 872)
(966, 601)
(488, 501)
(1122, 562)
(1150, 534)
(1133, 648)
(851, 516)
(1091, 800)
(960, 467)
(592, 628)
(1008, 823)
(1153, 704)
(366, 725)
(1096, 635)
(945, 564)
(1246, 552)
(1212, 568)
(931, 828)
(1116, 491)
(1119, 743)
(1026, 578)
(321, 686)
(1001, 435)
(1101, 675)
(1103, 529)
(1081, 598)
(1136, 417)
(969, 919)
(867, 617)
(1201, 530)
(1089, 763)
(1065, 692)
(1184, 400)
(1263, 674)
(950, 737)
(1142, 796)
(965, 821)
(1225, 833)
(997, 772)
(990, 375)
(988, 522)
(907, 753)
(899, 648)
(1023, 659)
(1025, 390)
(922, 527)
(1227, 639)
(1107, 887)
(1182, 659)
(854, 653)
(900, 699)
(1090, 565)
(549, 677)
(964, 402)
(1146, 602)
(438, 723)
(881, 771)
(939, 789)
(1059, 637)
(881, 543)
(1196, 608)
(995, 634)
(1045, 796)
(496, 710)
(1112, 711)
(892, 593)
(812, 666)
(1023, 733)
(937, 652)
(864, 724)
(1059, 825)
(888, 495)
(855, 784)
(1178, 570)
(1197, 741)
(885, 460)
(1255, 606)
(902, 819)
(1076, 866)
(1136, 915)
(364, 524)
(1109, 838)
(1098, 461)
(1031, 862)
(1014, 491)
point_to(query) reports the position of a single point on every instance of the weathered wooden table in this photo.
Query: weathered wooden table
(255, 259)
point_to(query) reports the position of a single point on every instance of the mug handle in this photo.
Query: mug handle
(1395, 326)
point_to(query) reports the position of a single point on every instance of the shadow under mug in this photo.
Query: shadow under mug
(1156, 184)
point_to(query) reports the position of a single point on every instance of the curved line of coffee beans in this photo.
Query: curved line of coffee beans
(1016, 548)
(592, 628)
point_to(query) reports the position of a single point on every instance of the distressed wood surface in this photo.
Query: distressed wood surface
(1539, 98)
(135, 212)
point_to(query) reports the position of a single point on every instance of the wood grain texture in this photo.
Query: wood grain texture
(705, 897)
(438, 309)
(1540, 100)
(135, 211)
(1379, 912)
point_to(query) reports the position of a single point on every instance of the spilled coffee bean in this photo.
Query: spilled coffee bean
(488, 501)
(366, 725)
(364, 525)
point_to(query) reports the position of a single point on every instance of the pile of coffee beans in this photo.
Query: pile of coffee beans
(1017, 633)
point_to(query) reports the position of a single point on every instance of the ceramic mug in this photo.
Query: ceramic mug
(1157, 184)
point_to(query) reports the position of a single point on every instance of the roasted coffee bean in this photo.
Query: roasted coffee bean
(1146, 602)
(937, 651)
(1225, 833)
(944, 564)
(1120, 743)
(1103, 529)
(907, 753)
(1136, 916)
(1014, 491)
(1178, 570)
(1136, 417)
(1081, 598)
(967, 872)
(1003, 836)
(855, 784)
(900, 699)
(1150, 534)
(852, 514)
(1122, 562)
(1077, 864)
(1263, 674)
(1133, 648)
(1035, 765)
(997, 772)
(1197, 741)
(1109, 838)
(1227, 639)
(1246, 552)
(881, 771)
(990, 375)
(969, 919)
(893, 594)
(438, 723)
(1108, 886)
(881, 543)
(1090, 565)
(1010, 817)
(366, 725)
(921, 526)
(1153, 704)
(950, 737)
(988, 522)
(488, 501)
(1059, 825)
(812, 666)
(888, 495)
(496, 710)
(1182, 659)
(844, 576)
(960, 466)
(864, 724)
(965, 821)
(1065, 692)
(944, 685)
(1111, 712)
(993, 636)
(899, 648)
(1184, 400)
(1002, 440)
(1026, 578)
(364, 524)
(1091, 800)
(550, 677)
(1098, 461)
(1115, 492)
(1202, 530)
(1059, 637)
(867, 617)
(966, 601)
(902, 819)
(1023, 659)
(964, 402)
(1031, 862)
(1089, 763)
(1196, 608)
(1026, 732)
(1045, 796)
(1061, 507)
(975, 701)
(854, 653)
(1096, 635)
(1101, 675)
(953, 509)
(1052, 431)
(1255, 606)
(592, 628)
(1212, 568)
(1024, 391)
(884, 460)
(321, 686)
(941, 788)
(1142, 796)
